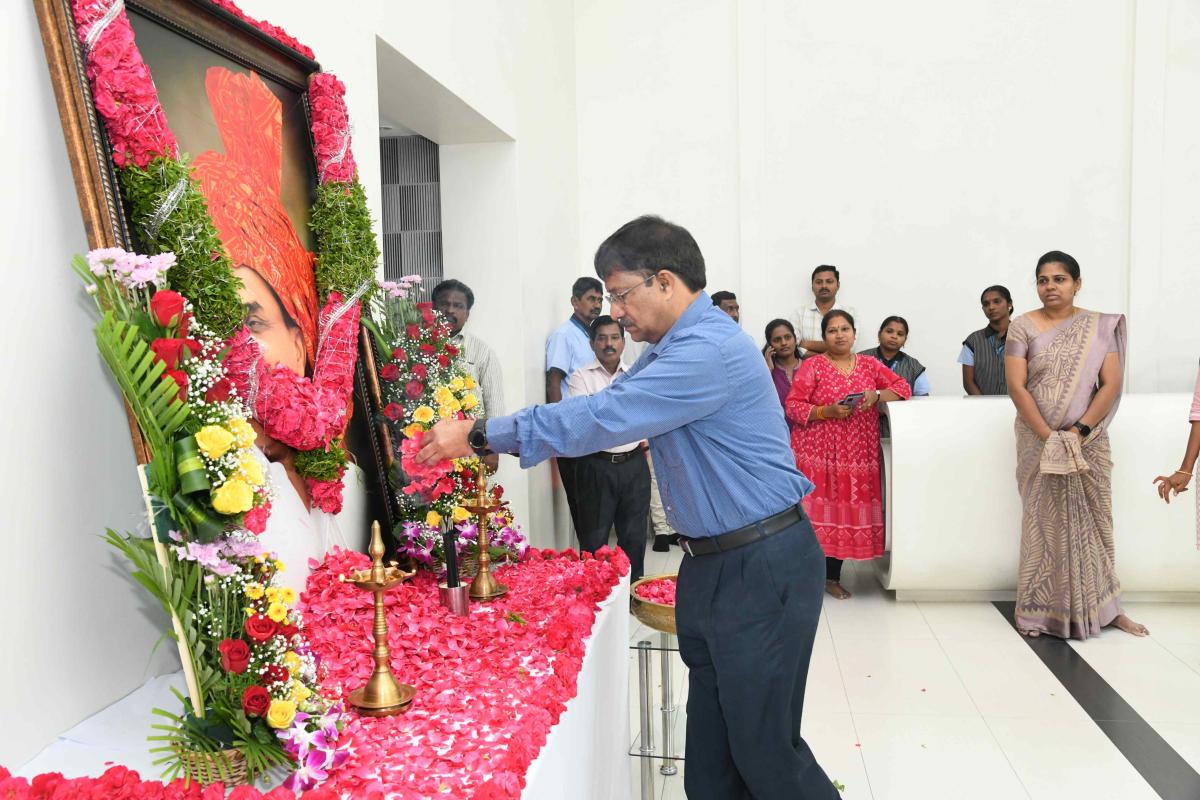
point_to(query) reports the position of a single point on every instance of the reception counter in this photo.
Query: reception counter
(954, 516)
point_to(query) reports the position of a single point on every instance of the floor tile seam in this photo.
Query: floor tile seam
(1080, 652)
(975, 705)
(849, 708)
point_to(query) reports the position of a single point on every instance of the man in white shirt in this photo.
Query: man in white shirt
(826, 282)
(613, 486)
(455, 299)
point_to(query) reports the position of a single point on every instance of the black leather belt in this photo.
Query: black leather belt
(742, 536)
(616, 458)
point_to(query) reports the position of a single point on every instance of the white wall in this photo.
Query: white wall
(927, 149)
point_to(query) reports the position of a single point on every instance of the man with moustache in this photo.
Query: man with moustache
(569, 348)
(612, 485)
(826, 282)
(753, 574)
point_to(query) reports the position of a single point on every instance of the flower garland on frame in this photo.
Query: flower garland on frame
(171, 214)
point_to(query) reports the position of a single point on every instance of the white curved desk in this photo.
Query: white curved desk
(954, 516)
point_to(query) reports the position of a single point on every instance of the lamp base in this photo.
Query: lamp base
(407, 693)
(485, 587)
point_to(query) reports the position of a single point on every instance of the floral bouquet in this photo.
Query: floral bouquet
(247, 669)
(423, 379)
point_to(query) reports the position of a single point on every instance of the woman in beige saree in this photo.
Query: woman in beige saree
(1064, 367)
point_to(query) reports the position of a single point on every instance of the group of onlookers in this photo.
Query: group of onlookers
(831, 390)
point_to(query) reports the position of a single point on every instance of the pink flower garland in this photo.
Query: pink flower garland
(489, 686)
(274, 31)
(331, 129)
(122, 88)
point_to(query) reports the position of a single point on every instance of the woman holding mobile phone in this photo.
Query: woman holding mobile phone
(835, 437)
(783, 357)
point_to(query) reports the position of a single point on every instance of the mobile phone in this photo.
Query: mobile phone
(852, 400)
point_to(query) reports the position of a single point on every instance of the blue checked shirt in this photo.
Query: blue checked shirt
(704, 399)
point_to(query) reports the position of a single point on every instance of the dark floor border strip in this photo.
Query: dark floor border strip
(1165, 770)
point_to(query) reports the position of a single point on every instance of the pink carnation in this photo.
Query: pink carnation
(660, 590)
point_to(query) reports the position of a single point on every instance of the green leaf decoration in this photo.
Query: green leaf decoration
(346, 246)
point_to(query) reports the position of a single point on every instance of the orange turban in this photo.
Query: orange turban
(242, 186)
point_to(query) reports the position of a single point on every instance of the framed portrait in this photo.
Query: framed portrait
(237, 102)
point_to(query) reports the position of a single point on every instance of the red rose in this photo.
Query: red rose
(399, 355)
(219, 392)
(181, 380)
(273, 673)
(428, 349)
(389, 372)
(235, 655)
(247, 793)
(414, 389)
(260, 628)
(168, 351)
(288, 631)
(425, 306)
(443, 361)
(451, 349)
(167, 307)
(256, 701)
(412, 331)
(427, 316)
(420, 371)
(393, 411)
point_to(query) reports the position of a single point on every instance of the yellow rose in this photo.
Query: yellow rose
(288, 595)
(443, 396)
(458, 384)
(214, 441)
(251, 470)
(423, 414)
(469, 382)
(413, 429)
(254, 591)
(292, 662)
(242, 431)
(446, 412)
(469, 402)
(277, 611)
(300, 692)
(233, 496)
(460, 514)
(433, 518)
(281, 713)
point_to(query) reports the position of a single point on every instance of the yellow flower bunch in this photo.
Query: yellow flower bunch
(277, 611)
(469, 401)
(423, 414)
(254, 591)
(234, 496)
(214, 441)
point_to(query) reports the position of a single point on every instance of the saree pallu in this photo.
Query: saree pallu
(1067, 584)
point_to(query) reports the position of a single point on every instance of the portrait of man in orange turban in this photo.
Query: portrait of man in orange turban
(242, 186)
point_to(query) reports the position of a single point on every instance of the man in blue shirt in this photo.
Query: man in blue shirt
(751, 584)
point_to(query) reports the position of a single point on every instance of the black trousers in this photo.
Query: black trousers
(566, 473)
(747, 619)
(614, 495)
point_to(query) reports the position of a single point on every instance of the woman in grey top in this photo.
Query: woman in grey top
(982, 355)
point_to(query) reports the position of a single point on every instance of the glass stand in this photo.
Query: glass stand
(644, 746)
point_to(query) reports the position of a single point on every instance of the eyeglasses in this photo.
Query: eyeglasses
(619, 297)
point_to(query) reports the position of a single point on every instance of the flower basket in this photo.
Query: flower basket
(654, 615)
(206, 766)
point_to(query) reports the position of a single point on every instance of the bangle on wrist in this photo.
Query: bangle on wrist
(1183, 472)
(819, 412)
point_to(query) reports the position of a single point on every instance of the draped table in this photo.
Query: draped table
(525, 697)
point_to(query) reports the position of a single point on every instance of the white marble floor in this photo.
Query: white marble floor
(945, 700)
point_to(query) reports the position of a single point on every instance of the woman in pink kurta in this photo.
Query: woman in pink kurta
(837, 445)
(1176, 482)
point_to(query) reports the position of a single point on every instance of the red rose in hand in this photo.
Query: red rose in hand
(256, 701)
(420, 371)
(219, 392)
(399, 355)
(167, 307)
(235, 655)
(393, 411)
(389, 372)
(414, 389)
(181, 380)
(443, 361)
(412, 331)
(260, 628)
(274, 673)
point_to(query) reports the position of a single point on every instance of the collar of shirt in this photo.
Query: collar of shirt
(690, 316)
(599, 368)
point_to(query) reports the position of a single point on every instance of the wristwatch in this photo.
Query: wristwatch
(1084, 430)
(477, 438)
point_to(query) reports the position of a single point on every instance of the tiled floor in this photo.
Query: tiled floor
(945, 700)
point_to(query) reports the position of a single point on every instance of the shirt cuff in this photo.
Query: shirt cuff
(502, 434)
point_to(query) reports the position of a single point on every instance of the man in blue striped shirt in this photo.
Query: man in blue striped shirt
(752, 579)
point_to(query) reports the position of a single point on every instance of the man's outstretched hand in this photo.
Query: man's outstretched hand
(447, 439)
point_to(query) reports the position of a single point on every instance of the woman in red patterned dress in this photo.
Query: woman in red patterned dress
(835, 436)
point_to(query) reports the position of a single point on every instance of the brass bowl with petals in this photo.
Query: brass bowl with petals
(651, 614)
